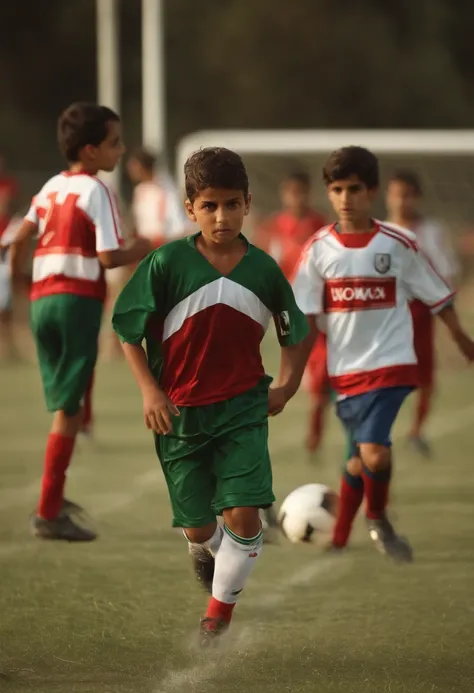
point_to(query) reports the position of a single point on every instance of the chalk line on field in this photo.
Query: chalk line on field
(247, 640)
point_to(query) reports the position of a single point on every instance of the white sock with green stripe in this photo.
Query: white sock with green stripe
(235, 561)
(212, 545)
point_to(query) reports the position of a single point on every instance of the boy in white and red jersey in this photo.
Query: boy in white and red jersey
(203, 305)
(283, 235)
(403, 198)
(79, 235)
(361, 273)
(157, 211)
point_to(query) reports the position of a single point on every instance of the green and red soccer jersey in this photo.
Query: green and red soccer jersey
(202, 329)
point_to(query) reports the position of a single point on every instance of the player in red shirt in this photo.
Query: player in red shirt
(403, 198)
(361, 274)
(283, 236)
(76, 218)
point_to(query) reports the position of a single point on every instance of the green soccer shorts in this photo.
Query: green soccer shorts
(66, 331)
(217, 457)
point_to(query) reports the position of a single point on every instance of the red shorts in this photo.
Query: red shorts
(424, 342)
(316, 376)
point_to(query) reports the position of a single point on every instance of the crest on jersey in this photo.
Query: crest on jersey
(284, 323)
(382, 262)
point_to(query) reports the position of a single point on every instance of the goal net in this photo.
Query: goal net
(444, 161)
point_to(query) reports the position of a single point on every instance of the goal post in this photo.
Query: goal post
(444, 160)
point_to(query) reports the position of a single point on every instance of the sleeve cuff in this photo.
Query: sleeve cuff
(445, 303)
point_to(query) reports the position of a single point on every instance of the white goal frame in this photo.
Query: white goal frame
(293, 142)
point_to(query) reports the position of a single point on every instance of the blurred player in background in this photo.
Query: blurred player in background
(79, 235)
(203, 304)
(157, 209)
(283, 236)
(8, 227)
(157, 214)
(362, 273)
(403, 200)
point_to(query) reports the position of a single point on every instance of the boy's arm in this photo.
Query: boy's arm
(425, 284)
(157, 406)
(19, 246)
(296, 331)
(464, 343)
(132, 311)
(293, 361)
(109, 241)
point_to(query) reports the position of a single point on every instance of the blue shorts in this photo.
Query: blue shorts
(369, 417)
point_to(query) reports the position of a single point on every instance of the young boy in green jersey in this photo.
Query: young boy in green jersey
(203, 304)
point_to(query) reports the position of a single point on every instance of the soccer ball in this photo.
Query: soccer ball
(308, 511)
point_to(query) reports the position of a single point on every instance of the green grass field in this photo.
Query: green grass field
(119, 615)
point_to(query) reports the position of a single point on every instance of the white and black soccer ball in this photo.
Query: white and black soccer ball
(308, 512)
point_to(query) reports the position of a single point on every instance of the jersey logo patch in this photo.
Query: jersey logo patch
(284, 323)
(382, 262)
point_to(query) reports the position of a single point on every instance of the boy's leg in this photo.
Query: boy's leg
(244, 484)
(187, 468)
(351, 494)
(318, 385)
(377, 412)
(88, 419)
(65, 329)
(424, 343)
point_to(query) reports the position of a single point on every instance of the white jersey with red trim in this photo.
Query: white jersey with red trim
(362, 283)
(158, 212)
(77, 218)
(432, 240)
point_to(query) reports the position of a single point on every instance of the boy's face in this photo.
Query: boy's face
(351, 199)
(295, 195)
(107, 154)
(136, 171)
(401, 199)
(220, 213)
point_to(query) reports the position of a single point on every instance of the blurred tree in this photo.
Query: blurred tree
(310, 63)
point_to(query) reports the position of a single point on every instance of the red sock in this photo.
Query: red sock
(87, 420)
(376, 486)
(316, 424)
(217, 609)
(57, 457)
(350, 497)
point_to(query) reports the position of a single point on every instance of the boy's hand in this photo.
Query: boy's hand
(465, 346)
(277, 398)
(157, 411)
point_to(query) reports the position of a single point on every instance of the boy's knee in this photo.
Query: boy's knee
(243, 521)
(375, 457)
(354, 466)
(199, 535)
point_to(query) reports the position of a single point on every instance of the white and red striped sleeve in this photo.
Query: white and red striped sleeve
(308, 284)
(102, 209)
(424, 282)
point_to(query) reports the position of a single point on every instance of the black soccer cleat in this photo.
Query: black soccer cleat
(210, 630)
(203, 564)
(63, 528)
(388, 542)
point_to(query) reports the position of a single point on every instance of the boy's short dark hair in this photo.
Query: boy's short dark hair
(409, 178)
(301, 177)
(145, 157)
(352, 161)
(82, 124)
(215, 167)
